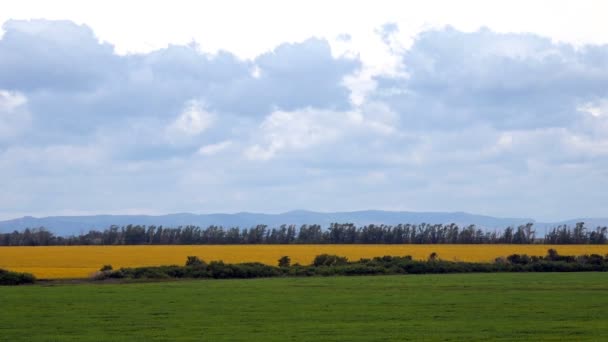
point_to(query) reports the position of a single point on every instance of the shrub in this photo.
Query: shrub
(519, 259)
(217, 269)
(331, 265)
(329, 260)
(15, 278)
(284, 261)
(500, 260)
(254, 270)
(552, 255)
(362, 270)
(194, 261)
(593, 259)
(106, 268)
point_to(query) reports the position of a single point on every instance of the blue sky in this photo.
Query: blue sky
(457, 113)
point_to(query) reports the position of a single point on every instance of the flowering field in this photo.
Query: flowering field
(81, 261)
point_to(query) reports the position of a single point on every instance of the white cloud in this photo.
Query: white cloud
(9, 101)
(212, 149)
(297, 130)
(309, 128)
(509, 81)
(215, 22)
(595, 108)
(14, 115)
(476, 121)
(192, 121)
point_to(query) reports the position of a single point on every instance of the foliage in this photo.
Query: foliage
(329, 265)
(194, 261)
(15, 278)
(80, 261)
(105, 268)
(284, 261)
(329, 260)
(336, 233)
(579, 234)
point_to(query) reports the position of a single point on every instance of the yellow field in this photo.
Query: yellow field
(82, 261)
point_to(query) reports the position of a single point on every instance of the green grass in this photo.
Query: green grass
(465, 307)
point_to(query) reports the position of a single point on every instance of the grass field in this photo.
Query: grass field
(507, 307)
(81, 261)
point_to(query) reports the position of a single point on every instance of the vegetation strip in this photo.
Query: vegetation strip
(333, 265)
(336, 233)
(330, 265)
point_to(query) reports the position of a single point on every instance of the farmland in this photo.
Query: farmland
(80, 261)
(522, 306)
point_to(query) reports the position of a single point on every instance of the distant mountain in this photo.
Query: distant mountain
(68, 225)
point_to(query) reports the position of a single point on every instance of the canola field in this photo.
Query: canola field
(52, 262)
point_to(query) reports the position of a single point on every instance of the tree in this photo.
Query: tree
(284, 261)
(106, 268)
(552, 255)
(194, 261)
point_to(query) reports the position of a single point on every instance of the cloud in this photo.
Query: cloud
(192, 121)
(387, 31)
(292, 131)
(212, 149)
(510, 81)
(58, 55)
(502, 124)
(305, 75)
(595, 108)
(76, 85)
(14, 115)
(297, 130)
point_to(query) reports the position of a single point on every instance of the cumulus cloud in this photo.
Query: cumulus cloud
(502, 124)
(56, 55)
(298, 130)
(14, 115)
(192, 121)
(308, 128)
(595, 108)
(212, 149)
(76, 84)
(305, 75)
(509, 81)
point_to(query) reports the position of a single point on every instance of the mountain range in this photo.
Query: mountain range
(71, 225)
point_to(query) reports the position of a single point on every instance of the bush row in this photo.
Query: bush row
(15, 278)
(329, 265)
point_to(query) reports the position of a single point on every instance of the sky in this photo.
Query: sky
(489, 107)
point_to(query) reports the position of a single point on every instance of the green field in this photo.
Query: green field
(521, 306)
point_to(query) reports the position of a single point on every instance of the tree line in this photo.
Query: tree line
(336, 233)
